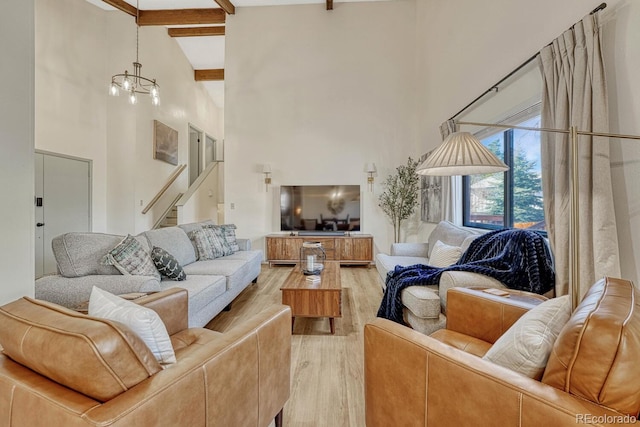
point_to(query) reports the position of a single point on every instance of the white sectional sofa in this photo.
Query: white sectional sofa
(425, 306)
(211, 285)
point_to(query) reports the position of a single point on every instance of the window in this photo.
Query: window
(512, 199)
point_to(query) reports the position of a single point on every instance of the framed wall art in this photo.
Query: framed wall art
(165, 143)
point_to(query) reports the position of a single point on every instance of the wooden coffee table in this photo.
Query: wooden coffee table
(322, 299)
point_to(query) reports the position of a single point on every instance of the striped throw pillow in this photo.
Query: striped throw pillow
(444, 255)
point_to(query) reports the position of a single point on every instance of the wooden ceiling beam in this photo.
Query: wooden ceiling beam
(181, 17)
(209, 75)
(196, 31)
(122, 5)
(227, 6)
(329, 4)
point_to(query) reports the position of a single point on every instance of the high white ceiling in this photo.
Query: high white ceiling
(206, 52)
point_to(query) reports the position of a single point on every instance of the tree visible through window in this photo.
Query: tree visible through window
(512, 199)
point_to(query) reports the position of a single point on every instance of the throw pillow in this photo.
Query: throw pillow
(129, 257)
(202, 244)
(142, 320)
(444, 255)
(217, 241)
(525, 347)
(229, 232)
(208, 244)
(226, 234)
(167, 264)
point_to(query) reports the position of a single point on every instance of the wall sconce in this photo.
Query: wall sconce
(370, 169)
(266, 170)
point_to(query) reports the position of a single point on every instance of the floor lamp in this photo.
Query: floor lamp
(461, 153)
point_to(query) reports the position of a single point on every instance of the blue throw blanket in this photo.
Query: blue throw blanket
(520, 259)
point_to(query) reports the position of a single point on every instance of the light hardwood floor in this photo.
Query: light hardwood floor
(327, 379)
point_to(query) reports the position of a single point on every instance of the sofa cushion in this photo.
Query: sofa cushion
(80, 254)
(142, 320)
(596, 354)
(386, 263)
(450, 234)
(526, 345)
(175, 241)
(201, 289)
(72, 292)
(220, 267)
(424, 326)
(444, 255)
(96, 357)
(422, 301)
(467, 242)
(189, 227)
(130, 257)
(248, 256)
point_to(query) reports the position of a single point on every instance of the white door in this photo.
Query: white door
(63, 204)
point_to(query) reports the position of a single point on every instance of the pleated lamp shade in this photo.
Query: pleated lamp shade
(461, 154)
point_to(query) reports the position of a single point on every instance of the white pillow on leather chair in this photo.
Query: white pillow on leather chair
(142, 320)
(526, 345)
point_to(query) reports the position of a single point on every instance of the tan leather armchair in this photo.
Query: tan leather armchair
(69, 369)
(592, 376)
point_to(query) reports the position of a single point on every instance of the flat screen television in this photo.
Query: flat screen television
(320, 209)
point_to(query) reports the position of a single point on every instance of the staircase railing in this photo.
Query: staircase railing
(176, 173)
(196, 184)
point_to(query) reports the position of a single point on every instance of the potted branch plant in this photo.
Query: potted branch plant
(400, 196)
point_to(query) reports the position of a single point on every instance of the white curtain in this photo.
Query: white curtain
(451, 185)
(575, 94)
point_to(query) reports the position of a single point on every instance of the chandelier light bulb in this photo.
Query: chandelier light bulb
(113, 89)
(126, 82)
(155, 100)
(155, 91)
(133, 99)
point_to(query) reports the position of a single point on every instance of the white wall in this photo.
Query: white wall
(71, 110)
(17, 219)
(316, 95)
(204, 202)
(79, 48)
(486, 40)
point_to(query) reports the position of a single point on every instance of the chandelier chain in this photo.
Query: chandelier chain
(135, 83)
(137, 28)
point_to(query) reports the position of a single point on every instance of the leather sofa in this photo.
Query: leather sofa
(591, 377)
(212, 284)
(59, 367)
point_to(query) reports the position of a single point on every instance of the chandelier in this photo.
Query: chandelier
(136, 83)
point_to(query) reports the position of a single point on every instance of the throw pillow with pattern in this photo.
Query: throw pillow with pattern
(201, 242)
(129, 257)
(167, 264)
(227, 235)
(217, 242)
(208, 243)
